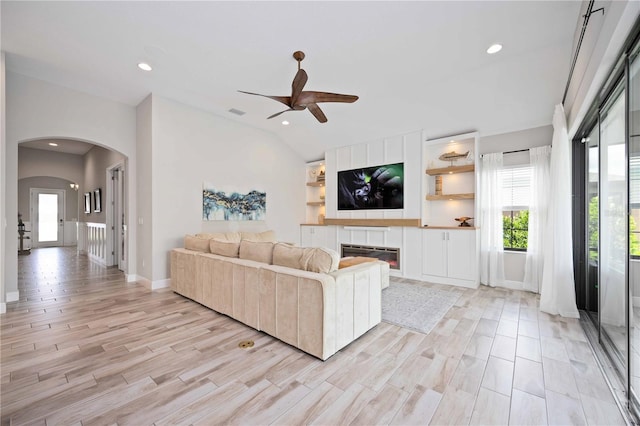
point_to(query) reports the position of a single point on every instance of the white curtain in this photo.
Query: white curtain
(539, 159)
(491, 244)
(557, 293)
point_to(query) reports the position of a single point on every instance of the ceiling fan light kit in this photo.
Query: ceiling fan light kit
(304, 99)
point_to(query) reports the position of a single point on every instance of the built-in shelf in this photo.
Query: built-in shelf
(447, 197)
(450, 170)
(315, 203)
(318, 183)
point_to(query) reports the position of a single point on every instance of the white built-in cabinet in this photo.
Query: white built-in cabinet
(313, 236)
(448, 256)
(450, 253)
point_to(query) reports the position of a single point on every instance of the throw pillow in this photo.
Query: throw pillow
(224, 248)
(195, 243)
(259, 251)
(290, 256)
(259, 236)
(323, 260)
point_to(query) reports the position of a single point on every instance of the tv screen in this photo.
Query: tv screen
(379, 187)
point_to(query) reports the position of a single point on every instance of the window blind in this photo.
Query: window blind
(516, 187)
(634, 182)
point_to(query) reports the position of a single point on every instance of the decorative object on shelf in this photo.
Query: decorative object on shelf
(321, 176)
(464, 220)
(301, 100)
(313, 174)
(320, 219)
(217, 205)
(439, 185)
(87, 202)
(453, 156)
(97, 200)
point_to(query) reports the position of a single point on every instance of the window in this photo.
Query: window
(516, 192)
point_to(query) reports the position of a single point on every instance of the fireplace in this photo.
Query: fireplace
(390, 255)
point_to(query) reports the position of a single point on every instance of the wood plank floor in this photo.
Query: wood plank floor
(84, 347)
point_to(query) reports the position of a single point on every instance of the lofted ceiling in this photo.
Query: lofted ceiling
(414, 65)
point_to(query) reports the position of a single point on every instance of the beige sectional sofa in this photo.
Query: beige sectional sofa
(292, 293)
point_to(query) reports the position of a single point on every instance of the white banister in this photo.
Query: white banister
(92, 241)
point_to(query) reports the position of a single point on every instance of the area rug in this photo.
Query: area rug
(415, 306)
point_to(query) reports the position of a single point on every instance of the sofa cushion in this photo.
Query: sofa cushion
(226, 236)
(285, 254)
(195, 243)
(259, 236)
(224, 247)
(259, 251)
(323, 260)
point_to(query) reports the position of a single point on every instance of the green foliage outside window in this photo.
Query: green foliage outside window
(515, 228)
(634, 242)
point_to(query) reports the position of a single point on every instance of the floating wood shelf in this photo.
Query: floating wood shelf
(373, 222)
(315, 183)
(446, 197)
(450, 170)
(315, 203)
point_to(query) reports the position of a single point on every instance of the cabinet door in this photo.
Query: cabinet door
(434, 252)
(306, 236)
(461, 256)
(313, 236)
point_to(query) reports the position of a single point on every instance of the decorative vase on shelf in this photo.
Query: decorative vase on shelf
(438, 185)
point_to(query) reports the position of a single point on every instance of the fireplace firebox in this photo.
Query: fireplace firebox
(391, 255)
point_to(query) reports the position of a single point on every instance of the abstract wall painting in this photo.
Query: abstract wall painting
(233, 204)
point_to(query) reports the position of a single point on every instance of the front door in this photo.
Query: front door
(47, 217)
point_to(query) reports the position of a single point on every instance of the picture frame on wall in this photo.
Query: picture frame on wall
(97, 202)
(87, 202)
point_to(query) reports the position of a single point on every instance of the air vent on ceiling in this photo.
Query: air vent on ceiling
(236, 111)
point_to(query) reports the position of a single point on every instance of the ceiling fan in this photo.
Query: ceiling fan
(300, 100)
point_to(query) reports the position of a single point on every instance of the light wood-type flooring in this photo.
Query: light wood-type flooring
(84, 347)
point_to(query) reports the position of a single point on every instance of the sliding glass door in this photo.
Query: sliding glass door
(610, 226)
(613, 236)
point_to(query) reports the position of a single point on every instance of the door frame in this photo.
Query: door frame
(116, 216)
(33, 219)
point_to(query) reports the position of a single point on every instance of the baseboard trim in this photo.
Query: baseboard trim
(3, 308)
(154, 285)
(131, 278)
(13, 296)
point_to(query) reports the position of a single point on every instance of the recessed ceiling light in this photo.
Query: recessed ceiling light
(494, 48)
(144, 66)
(53, 144)
(285, 123)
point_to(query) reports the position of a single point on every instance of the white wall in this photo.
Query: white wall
(144, 183)
(96, 162)
(189, 147)
(37, 109)
(38, 162)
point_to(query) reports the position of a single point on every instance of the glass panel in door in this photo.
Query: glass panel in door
(613, 230)
(47, 218)
(593, 225)
(634, 222)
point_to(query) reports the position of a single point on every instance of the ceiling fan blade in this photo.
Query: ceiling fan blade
(317, 97)
(281, 112)
(282, 99)
(298, 84)
(317, 112)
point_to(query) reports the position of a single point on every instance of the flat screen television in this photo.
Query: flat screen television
(370, 188)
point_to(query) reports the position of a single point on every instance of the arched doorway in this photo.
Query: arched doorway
(94, 178)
